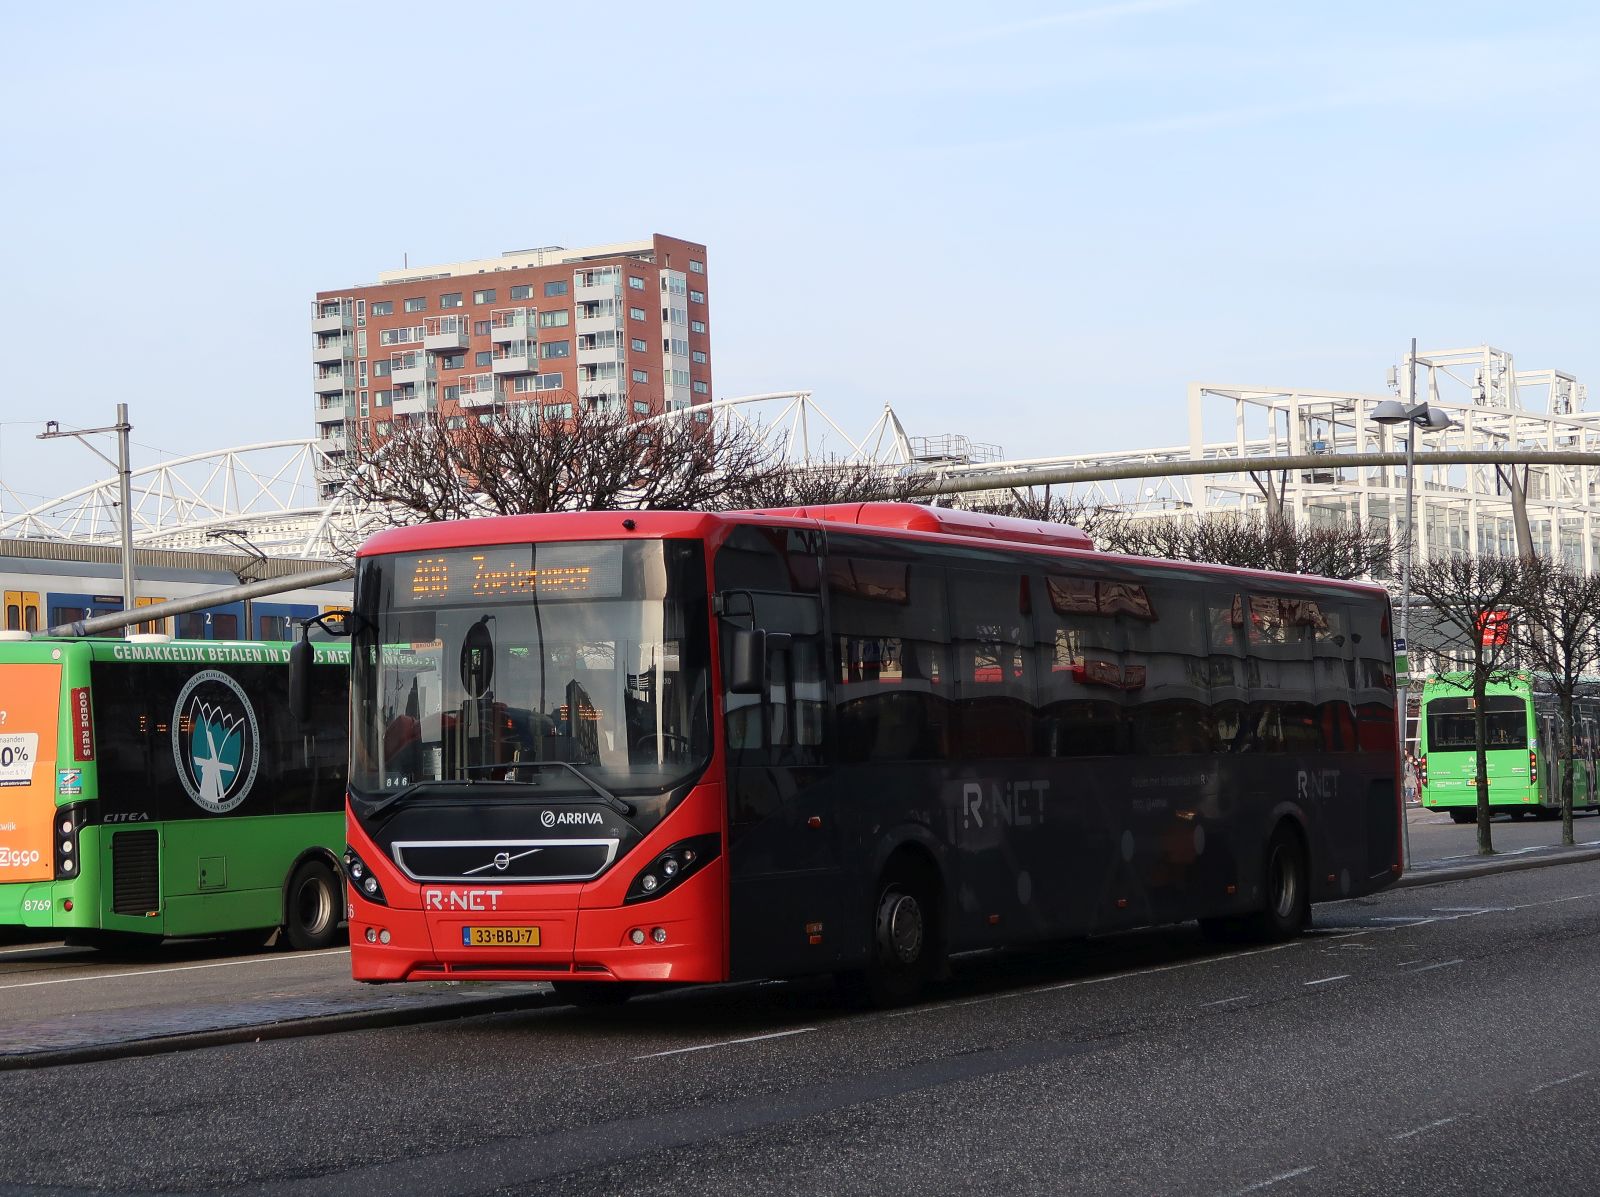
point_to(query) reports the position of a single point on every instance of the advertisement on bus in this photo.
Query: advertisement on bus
(30, 711)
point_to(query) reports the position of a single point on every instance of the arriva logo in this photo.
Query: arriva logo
(18, 858)
(571, 818)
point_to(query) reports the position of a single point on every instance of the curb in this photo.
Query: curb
(1499, 863)
(292, 1028)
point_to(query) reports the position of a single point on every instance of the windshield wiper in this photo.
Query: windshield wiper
(610, 799)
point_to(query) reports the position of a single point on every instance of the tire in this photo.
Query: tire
(1286, 888)
(906, 941)
(1463, 816)
(313, 908)
(592, 995)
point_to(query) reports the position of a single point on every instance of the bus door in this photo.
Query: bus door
(784, 821)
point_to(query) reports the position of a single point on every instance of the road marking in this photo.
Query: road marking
(1272, 1180)
(1553, 901)
(1141, 972)
(181, 968)
(1224, 1001)
(1417, 1130)
(42, 947)
(1430, 967)
(1325, 980)
(1562, 1081)
(702, 1047)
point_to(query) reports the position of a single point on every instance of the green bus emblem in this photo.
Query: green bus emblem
(215, 742)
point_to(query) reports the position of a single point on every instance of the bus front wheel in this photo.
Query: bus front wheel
(313, 908)
(905, 939)
(1286, 881)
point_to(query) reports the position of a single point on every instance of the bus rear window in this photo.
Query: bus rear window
(1452, 727)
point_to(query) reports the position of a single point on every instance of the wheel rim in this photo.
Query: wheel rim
(1283, 880)
(900, 927)
(313, 906)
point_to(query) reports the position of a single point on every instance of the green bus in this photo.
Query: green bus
(1523, 717)
(152, 787)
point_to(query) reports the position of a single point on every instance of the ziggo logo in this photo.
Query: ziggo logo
(18, 858)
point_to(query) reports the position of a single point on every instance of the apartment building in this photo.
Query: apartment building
(621, 328)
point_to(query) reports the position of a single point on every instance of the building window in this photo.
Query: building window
(672, 283)
(551, 290)
(383, 307)
(675, 345)
(697, 296)
(362, 372)
(696, 267)
(559, 318)
(636, 282)
(486, 296)
(641, 376)
(641, 408)
(639, 345)
(699, 357)
(678, 378)
(480, 328)
(522, 291)
(450, 300)
(452, 361)
(417, 303)
(700, 388)
(380, 369)
(558, 411)
(698, 326)
(383, 427)
(482, 357)
(636, 313)
(547, 382)
(452, 393)
(555, 348)
(674, 315)
(381, 398)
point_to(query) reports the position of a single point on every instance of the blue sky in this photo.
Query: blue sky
(1035, 228)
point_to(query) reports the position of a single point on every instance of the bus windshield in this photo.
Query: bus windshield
(470, 662)
(1452, 725)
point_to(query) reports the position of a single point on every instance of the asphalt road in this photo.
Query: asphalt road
(1435, 836)
(1427, 1040)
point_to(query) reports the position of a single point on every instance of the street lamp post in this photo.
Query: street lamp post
(52, 429)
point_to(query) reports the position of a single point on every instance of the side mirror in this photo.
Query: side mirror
(747, 661)
(301, 659)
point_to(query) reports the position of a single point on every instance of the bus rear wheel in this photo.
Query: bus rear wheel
(1287, 889)
(313, 908)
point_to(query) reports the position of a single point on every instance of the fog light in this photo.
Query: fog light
(372, 935)
(648, 883)
(637, 935)
(383, 936)
(659, 935)
(66, 847)
(66, 866)
(66, 826)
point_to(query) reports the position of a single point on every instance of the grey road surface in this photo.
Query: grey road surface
(1428, 1040)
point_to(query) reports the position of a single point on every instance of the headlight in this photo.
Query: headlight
(361, 878)
(672, 865)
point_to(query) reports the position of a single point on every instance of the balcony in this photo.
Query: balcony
(446, 334)
(332, 318)
(333, 442)
(413, 403)
(478, 390)
(331, 382)
(518, 357)
(411, 369)
(332, 349)
(510, 324)
(330, 410)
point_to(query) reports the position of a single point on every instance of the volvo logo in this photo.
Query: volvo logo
(502, 860)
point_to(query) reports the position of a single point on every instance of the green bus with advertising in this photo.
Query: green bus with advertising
(153, 788)
(1523, 717)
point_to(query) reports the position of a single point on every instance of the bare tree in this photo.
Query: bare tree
(535, 458)
(1478, 607)
(1344, 550)
(788, 485)
(1561, 640)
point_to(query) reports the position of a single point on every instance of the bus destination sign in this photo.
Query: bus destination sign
(547, 571)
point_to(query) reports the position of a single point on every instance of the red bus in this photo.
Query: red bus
(610, 750)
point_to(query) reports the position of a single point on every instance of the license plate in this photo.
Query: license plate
(499, 937)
